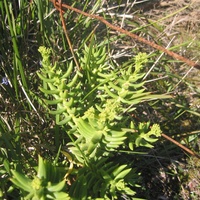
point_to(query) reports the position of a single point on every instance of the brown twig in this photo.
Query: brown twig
(181, 146)
(58, 6)
(134, 36)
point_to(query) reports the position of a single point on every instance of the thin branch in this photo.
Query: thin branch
(181, 146)
(58, 6)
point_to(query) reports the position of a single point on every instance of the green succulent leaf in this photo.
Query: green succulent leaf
(122, 174)
(61, 196)
(42, 171)
(86, 130)
(56, 187)
(21, 181)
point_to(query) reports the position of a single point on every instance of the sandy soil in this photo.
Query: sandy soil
(183, 25)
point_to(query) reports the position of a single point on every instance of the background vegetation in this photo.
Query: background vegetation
(93, 130)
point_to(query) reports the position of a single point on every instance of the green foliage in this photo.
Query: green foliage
(47, 184)
(143, 137)
(92, 106)
(104, 181)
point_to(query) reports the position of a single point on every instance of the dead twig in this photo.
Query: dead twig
(181, 146)
(58, 6)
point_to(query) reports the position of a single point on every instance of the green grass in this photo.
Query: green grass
(28, 130)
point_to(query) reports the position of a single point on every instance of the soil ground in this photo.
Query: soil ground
(183, 26)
